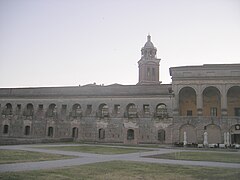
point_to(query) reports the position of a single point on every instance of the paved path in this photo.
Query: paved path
(87, 158)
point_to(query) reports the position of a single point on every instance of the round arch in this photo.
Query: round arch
(191, 134)
(187, 101)
(214, 134)
(233, 101)
(211, 101)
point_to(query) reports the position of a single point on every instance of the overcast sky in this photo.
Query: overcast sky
(78, 42)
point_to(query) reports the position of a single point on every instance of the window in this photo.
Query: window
(161, 135)
(64, 108)
(89, 109)
(101, 133)
(130, 134)
(148, 72)
(213, 111)
(189, 112)
(5, 129)
(146, 109)
(116, 108)
(75, 132)
(50, 131)
(153, 74)
(19, 107)
(161, 111)
(40, 107)
(237, 111)
(27, 130)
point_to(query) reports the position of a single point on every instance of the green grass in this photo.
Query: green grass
(201, 156)
(118, 170)
(17, 156)
(96, 149)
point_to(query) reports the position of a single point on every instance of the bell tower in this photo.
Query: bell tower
(148, 65)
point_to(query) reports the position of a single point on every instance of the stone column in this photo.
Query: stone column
(176, 105)
(224, 102)
(199, 104)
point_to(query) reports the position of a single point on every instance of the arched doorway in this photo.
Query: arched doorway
(75, 132)
(130, 134)
(27, 130)
(50, 131)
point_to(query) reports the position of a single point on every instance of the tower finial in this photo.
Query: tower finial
(148, 37)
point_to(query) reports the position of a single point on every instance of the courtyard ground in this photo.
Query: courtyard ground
(134, 164)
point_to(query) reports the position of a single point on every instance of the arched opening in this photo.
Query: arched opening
(214, 134)
(161, 135)
(76, 110)
(101, 133)
(211, 102)
(187, 102)
(50, 131)
(75, 132)
(27, 130)
(191, 136)
(233, 101)
(131, 110)
(103, 110)
(28, 110)
(161, 111)
(5, 129)
(52, 110)
(7, 109)
(130, 134)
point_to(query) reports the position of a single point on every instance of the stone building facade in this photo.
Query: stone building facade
(201, 99)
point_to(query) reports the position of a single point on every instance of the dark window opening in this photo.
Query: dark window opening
(50, 132)
(27, 130)
(189, 112)
(75, 132)
(5, 129)
(237, 111)
(116, 108)
(40, 107)
(146, 109)
(101, 133)
(130, 134)
(89, 109)
(213, 111)
(161, 135)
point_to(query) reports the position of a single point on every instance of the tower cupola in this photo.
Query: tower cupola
(148, 64)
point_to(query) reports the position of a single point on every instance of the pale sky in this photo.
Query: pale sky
(72, 42)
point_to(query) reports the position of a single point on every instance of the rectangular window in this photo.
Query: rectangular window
(237, 111)
(40, 107)
(213, 111)
(19, 107)
(189, 112)
(64, 108)
(116, 108)
(89, 109)
(146, 109)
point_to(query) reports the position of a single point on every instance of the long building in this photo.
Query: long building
(201, 106)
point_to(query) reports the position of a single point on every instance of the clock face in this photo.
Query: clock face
(237, 127)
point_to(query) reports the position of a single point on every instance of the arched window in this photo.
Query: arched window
(103, 110)
(7, 109)
(5, 129)
(130, 134)
(76, 110)
(161, 135)
(28, 110)
(27, 130)
(131, 110)
(50, 131)
(161, 111)
(75, 132)
(101, 133)
(187, 102)
(52, 110)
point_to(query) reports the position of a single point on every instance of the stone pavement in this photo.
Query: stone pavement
(87, 158)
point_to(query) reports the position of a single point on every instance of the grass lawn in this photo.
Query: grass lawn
(96, 149)
(17, 156)
(117, 170)
(202, 156)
